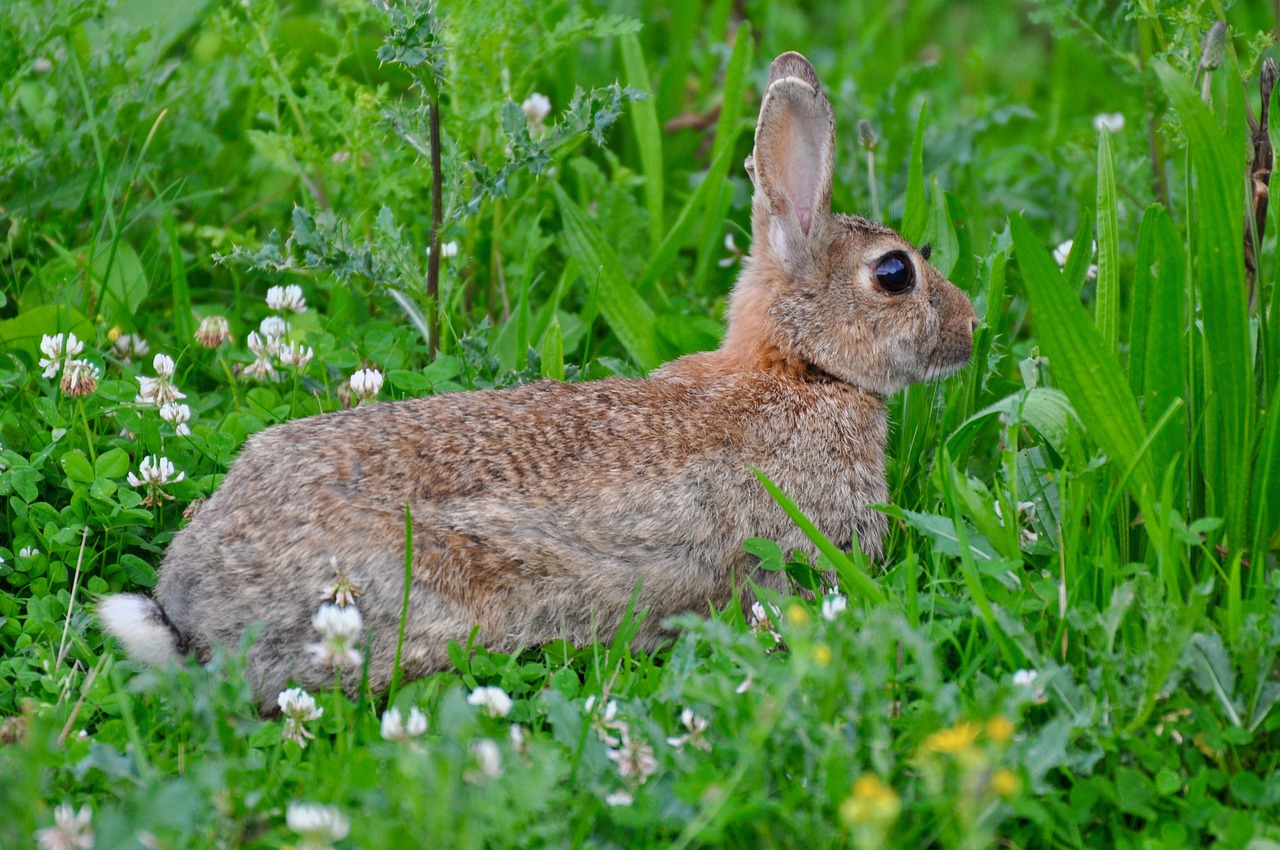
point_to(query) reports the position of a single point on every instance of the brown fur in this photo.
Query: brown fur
(537, 510)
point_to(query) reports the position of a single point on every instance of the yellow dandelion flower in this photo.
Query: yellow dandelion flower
(797, 616)
(1005, 782)
(953, 740)
(1000, 729)
(822, 654)
(870, 802)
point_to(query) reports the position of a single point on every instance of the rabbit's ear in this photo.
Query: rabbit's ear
(792, 160)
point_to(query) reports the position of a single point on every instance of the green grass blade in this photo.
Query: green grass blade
(1081, 362)
(1266, 483)
(1107, 300)
(915, 211)
(644, 117)
(849, 572)
(1165, 347)
(1224, 310)
(1076, 269)
(627, 314)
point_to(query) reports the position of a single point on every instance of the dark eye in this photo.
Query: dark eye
(894, 273)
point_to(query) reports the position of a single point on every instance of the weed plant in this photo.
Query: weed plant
(249, 212)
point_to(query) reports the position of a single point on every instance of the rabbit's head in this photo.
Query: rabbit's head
(837, 292)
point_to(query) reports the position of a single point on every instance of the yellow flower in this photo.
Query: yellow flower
(1000, 729)
(797, 616)
(953, 740)
(1005, 782)
(871, 802)
(822, 654)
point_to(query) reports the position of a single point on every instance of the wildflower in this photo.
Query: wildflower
(262, 368)
(80, 378)
(953, 740)
(340, 628)
(871, 803)
(213, 331)
(517, 738)
(297, 356)
(71, 829)
(342, 592)
(495, 701)
(1024, 678)
(762, 619)
(1063, 252)
(273, 329)
(447, 250)
(176, 415)
(536, 108)
(54, 349)
(695, 736)
(298, 708)
(156, 472)
(394, 728)
(1108, 122)
(28, 552)
(833, 606)
(129, 346)
(159, 390)
(822, 655)
(1000, 729)
(634, 758)
(1004, 782)
(287, 298)
(619, 798)
(797, 615)
(317, 826)
(366, 384)
(488, 758)
(605, 722)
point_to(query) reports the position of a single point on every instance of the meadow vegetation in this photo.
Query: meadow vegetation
(1072, 640)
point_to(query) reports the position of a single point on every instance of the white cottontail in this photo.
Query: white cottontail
(537, 510)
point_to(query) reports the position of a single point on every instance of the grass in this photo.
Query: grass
(1072, 639)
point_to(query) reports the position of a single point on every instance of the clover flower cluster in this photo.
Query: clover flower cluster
(156, 473)
(339, 623)
(269, 344)
(62, 354)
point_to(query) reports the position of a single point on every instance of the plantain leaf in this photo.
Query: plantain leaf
(644, 116)
(915, 212)
(1107, 299)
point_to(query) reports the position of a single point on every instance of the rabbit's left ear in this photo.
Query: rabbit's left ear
(793, 157)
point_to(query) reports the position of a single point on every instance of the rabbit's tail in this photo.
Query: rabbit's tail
(142, 626)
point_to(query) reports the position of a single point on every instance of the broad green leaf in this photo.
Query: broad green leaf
(941, 233)
(77, 467)
(1081, 362)
(124, 281)
(644, 116)
(627, 314)
(1266, 480)
(113, 463)
(941, 530)
(1218, 162)
(24, 331)
(1046, 410)
(551, 350)
(915, 212)
(1157, 341)
(850, 573)
(1107, 300)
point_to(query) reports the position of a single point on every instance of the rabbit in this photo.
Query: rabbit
(538, 511)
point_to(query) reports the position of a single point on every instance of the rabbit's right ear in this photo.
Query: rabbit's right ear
(792, 162)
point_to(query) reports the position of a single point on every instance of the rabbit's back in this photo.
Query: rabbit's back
(535, 512)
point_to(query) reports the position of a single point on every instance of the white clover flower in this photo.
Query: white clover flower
(834, 605)
(287, 298)
(536, 108)
(1024, 678)
(763, 619)
(340, 628)
(164, 366)
(213, 331)
(298, 708)
(51, 347)
(495, 701)
(606, 722)
(395, 728)
(634, 758)
(156, 472)
(696, 728)
(28, 552)
(619, 798)
(80, 378)
(447, 250)
(488, 758)
(517, 737)
(129, 346)
(297, 356)
(1108, 122)
(177, 415)
(273, 329)
(1063, 252)
(342, 592)
(366, 384)
(317, 826)
(71, 830)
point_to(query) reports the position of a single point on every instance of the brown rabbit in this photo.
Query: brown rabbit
(537, 510)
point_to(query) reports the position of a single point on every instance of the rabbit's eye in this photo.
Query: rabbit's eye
(894, 273)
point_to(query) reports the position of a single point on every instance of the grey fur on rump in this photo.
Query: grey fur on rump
(537, 510)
